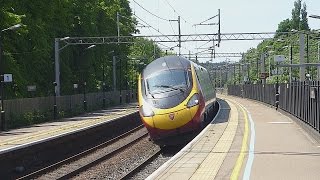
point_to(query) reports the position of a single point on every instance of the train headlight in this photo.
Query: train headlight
(193, 101)
(146, 111)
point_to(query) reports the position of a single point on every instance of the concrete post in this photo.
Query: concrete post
(302, 68)
(57, 65)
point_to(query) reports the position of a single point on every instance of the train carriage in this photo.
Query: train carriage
(175, 97)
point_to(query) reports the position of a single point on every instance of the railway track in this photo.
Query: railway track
(78, 163)
(142, 164)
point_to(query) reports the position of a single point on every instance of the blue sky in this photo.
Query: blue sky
(236, 16)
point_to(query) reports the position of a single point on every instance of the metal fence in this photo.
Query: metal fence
(17, 109)
(301, 99)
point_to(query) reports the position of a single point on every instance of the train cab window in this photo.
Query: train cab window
(168, 80)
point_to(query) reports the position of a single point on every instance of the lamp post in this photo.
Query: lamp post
(290, 60)
(103, 82)
(318, 60)
(120, 81)
(103, 87)
(278, 59)
(234, 74)
(257, 68)
(2, 111)
(57, 50)
(239, 72)
(55, 110)
(127, 95)
(85, 107)
(277, 88)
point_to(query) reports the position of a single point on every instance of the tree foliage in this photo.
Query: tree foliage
(29, 51)
(282, 45)
(304, 18)
(296, 11)
(298, 21)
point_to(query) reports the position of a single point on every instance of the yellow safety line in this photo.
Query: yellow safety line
(60, 129)
(244, 147)
(212, 163)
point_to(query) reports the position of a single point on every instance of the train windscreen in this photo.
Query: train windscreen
(168, 80)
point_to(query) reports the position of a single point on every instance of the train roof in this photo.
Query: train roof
(168, 62)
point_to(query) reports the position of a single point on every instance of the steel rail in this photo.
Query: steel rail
(141, 165)
(74, 158)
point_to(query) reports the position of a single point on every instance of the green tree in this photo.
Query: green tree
(295, 22)
(284, 26)
(29, 53)
(298, 21)
(304, 18)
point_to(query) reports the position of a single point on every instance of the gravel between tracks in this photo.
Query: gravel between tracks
(121, 163)
(95, 155)
(150, 168)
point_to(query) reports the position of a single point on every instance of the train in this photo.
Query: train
(176, 97)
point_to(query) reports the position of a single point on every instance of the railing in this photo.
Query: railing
(301, 99)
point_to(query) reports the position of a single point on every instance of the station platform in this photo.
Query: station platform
(246, 140)
(24, 137)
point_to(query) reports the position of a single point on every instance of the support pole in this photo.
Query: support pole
(263, 70)
(302, 68)
(127, 83)
(2, 112)
(120, 81)
(257, 70)
(290, 68)
(239, 70)
(179, 27)
(114, 73)
(55, 109)
(118, 26)
(234, 74)
(318, 60)
(103, 84)
(219, 32)
(220, 78)
(277, 89)
(248, 71)
(85, 106)
(307, 52)
(57, 65)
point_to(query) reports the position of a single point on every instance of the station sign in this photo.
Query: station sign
(32, 88)
(7, 78)
(275, 72)
(313, 92)
(264, 75)
(279, 58)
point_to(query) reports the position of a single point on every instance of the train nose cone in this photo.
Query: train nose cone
(171, 116)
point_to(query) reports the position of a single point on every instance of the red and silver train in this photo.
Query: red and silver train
(176, 97)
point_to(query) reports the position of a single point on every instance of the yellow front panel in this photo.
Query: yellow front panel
(182, 114)
(182, 117)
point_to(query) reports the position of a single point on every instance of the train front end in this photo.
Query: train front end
(169, 99)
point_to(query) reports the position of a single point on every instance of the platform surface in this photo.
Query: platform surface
(247, 140)
(17, 138)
